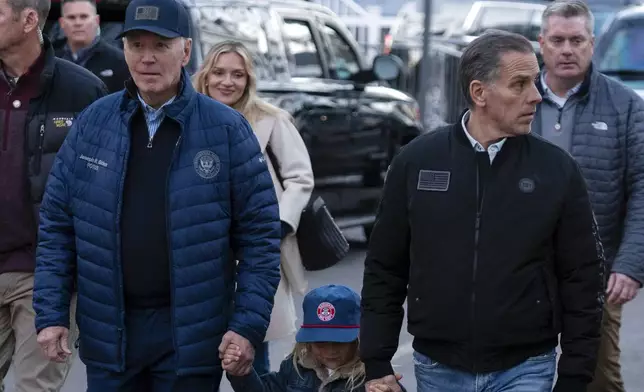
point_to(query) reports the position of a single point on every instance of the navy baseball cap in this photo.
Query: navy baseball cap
(167, 18)
(331, 314)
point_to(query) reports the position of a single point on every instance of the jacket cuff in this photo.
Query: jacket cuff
(375, 369)
(570, 384)
(247, 333)
(249, 382)
(62, 322)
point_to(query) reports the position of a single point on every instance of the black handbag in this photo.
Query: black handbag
(321, 242)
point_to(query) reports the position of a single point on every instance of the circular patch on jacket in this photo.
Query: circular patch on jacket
(526, 185)
(326, 311)
(207, 164)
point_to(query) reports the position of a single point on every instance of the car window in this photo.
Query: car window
(304, 58)
(344, 59)
(602, 19)
(258, 28)
(510, 19)
(624, 50)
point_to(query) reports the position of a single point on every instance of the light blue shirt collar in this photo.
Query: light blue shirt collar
(492, 150)
(554, 97)
(153, 117)
(152, 111)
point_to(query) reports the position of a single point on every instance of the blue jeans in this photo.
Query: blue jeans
(534, 375)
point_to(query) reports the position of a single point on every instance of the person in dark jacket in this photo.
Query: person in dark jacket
(154, 191)
(40, 97)
(600, 122)
(489, 233)
(325, 357)
(85, 47)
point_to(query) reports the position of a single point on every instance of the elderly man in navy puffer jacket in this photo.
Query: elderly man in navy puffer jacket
(155, 193)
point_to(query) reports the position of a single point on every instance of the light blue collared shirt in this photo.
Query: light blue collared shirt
(560, 101)
(154, 117)
(492, 150)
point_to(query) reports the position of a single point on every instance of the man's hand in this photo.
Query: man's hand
(385, 384)
(234, 346)
(53, 342)
(621, 289)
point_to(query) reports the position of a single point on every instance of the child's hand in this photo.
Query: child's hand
(231, 355)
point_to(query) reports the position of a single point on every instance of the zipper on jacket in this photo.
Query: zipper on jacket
(150, 141)
(559, 117)
(118, 276)
(169, 240)
(5, 132)
(119, 347)
(480, 198)
(38, 157)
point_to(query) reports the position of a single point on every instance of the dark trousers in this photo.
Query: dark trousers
(150, 360)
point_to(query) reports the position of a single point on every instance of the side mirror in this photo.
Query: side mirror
(387, 67)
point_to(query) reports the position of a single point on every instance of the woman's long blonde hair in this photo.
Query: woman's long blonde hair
(354, 368)
(250, 105)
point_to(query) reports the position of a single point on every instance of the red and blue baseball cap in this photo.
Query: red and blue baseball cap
(331, 314)
(167, 18)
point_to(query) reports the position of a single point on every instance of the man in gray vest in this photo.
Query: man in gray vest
(601, 123)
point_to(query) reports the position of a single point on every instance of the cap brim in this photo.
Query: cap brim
(165, 33)
(336, 335)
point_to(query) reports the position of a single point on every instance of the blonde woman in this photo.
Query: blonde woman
(228, 76)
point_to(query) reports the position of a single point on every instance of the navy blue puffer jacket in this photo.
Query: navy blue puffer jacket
(79, 237)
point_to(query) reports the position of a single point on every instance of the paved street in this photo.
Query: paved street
(349, 272)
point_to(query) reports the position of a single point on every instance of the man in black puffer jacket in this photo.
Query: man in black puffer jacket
(39, 97)
(600, 122)
(84, 45)
(489, 233)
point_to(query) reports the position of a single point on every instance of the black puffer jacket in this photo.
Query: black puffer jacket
(105, 61)
(608, 144)
(65, 90)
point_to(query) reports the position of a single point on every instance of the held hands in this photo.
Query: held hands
(232, 354)
(54, 344)
(385, 384)
(236, 354)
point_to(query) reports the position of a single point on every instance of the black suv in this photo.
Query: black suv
(309, 64)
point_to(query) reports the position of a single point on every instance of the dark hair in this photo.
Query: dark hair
(480, 59)
(41, 6)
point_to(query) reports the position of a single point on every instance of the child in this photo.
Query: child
(325, 357)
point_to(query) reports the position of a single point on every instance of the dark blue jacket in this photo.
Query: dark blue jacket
(79, 237)
(287, 379)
